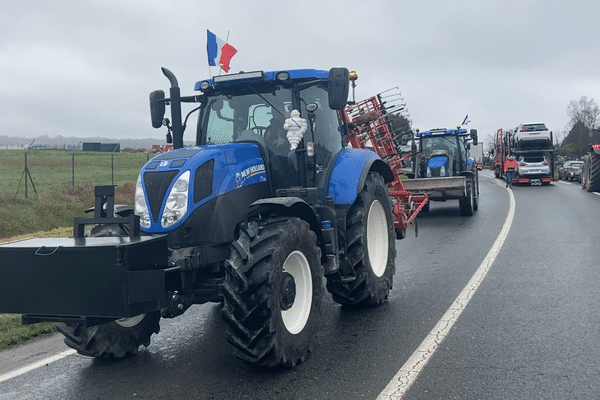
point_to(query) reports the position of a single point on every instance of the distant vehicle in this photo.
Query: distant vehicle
(533, 166)
(571, 170)
(443, 169)
(532, 136)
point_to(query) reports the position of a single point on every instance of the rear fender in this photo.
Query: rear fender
(350, 173)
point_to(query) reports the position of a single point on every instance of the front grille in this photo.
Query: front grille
(177, 163)
(157, 184)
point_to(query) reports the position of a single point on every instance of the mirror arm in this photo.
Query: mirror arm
(175, 109)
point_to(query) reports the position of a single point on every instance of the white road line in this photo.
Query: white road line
(573, 183)
(409, 372)
(36, 365)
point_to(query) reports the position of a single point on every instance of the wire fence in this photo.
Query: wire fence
(28, 172)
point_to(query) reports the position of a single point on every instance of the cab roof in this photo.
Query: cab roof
(262, 76)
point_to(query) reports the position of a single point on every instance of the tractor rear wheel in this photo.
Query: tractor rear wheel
(370, 248)
(273, 292)
(114, 339)
(594, 173)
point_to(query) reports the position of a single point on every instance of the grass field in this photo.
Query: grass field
(55, 169)
(12, 333)
(50, 213)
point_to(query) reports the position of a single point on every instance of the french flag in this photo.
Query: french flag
(219, 51)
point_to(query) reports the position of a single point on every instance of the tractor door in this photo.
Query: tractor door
(324, 130)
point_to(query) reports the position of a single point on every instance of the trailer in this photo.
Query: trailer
(376, 124)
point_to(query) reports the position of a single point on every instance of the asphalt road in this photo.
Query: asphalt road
(529, 330)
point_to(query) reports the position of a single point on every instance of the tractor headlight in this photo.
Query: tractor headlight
(141, 207)
(177, 201)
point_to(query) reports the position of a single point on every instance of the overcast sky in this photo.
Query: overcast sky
(85, 68)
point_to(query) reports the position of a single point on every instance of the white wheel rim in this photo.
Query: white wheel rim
(130, 322)
(377, 238)
(296, 317)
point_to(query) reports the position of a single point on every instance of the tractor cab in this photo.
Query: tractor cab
(243, 110)
(253, 107)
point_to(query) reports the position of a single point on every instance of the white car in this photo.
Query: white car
(533, 135)
(533, 166)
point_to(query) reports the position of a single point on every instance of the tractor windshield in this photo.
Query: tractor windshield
(228, 118)
(439, 145)
(258, 114)
(259, 117)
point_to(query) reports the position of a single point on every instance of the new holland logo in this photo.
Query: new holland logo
(245, 177)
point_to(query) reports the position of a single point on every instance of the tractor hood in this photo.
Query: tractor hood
(175, 184)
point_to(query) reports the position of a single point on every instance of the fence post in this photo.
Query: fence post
(112, 168)
(24, 171)
(73, 169)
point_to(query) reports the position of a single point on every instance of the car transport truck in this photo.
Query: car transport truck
(535, 160)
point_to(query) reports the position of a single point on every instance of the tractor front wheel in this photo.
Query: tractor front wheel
(476, 191)
(467, 203)
(114, 339)
(273, 292)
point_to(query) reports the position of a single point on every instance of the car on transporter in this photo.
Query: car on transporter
(533, 166)
(534, 135)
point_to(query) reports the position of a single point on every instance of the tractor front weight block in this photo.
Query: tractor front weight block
(91, 278)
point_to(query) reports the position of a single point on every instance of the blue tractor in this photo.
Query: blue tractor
(238, 218)
(443, 168)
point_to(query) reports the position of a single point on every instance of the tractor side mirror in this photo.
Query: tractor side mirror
(474, 136)
(339, 86)
(157, 108)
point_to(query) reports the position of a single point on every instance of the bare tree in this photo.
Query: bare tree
(584, 111)
(559, 136)
(489, 141)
